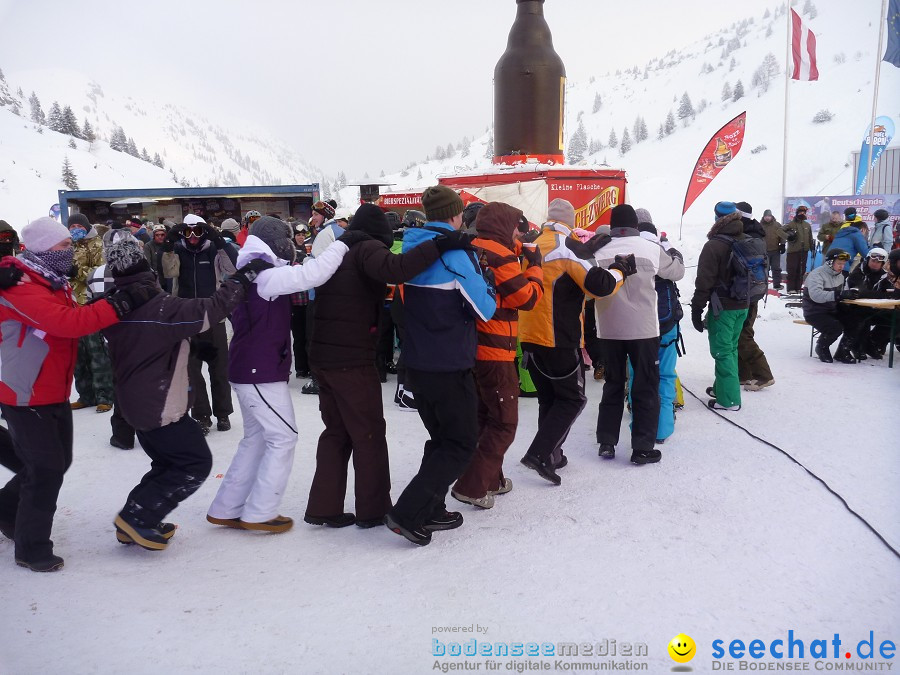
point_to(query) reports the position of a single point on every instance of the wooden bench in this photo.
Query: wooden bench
(812, 337)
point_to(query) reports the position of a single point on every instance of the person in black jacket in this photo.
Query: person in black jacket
(189, 258)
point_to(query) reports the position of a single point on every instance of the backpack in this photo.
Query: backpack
(749, 269)
(668, 305)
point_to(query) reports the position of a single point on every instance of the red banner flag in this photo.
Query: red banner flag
(724, 146)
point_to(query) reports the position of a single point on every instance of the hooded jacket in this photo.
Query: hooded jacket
(88, 256)
(194, 270)
(149, 350)
(774, 233)
(348, 306)
(822, 290)
(517, 289)
(441, 306)
(632, 313)
(714, 266)
(260, 350)
(881, 234)
(850, 239)
(39, 330)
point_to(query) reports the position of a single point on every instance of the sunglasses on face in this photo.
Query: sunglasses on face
(7, 237)
(193, 231)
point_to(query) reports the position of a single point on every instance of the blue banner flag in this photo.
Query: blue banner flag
(879, 140)
(892, 53)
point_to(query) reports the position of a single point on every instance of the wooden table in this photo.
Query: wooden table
(893, 306)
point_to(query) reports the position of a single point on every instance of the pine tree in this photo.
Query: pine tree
(661, 133)
(598, 102)
(87, 132)
(489, 150)
(68, 176)
(72, 144)
(55, 118)
(732, 64)
(726, 92)
(131, 148)
(636, 129)
(686, 108)
(157, 161)
(439, 153)
(119, 142)
(381, 175)
(70, 123)
(145, 156)
(626, 142)
(2, 76)
(670, 123)
(738, 91)
(341, 182)
(450, 151)
(419, 175)
(577, 145)
(613, 141)
(20, 93)
(643, 135)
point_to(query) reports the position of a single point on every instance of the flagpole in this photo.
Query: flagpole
(870, 179)
(787, 80)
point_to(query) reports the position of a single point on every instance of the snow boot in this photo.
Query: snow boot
(419, 536)
(562, 463)
(607, 451)
(505, 486)
(713, 404)
(759, 384)
(121, 445)
(146, 537)
(367, 523)
(407, 401)
(225, 522)
(205, 424)
(277, 525)
(51, 564)
(711, 392)
(448, 520)
(311, 387)
(340, 520)
(167, 530)
(544, 469)
(823, 352)
(645, 456)
(223, 424)
(843, 353)
(486, 502)
(103, 407)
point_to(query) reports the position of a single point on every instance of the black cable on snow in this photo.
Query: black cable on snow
(790, 457)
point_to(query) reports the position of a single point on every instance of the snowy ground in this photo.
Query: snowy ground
(724, 539)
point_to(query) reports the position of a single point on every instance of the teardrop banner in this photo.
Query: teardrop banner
(718, 153)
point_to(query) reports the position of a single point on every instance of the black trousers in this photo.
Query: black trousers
(210, 346)
(592, 343)
(298, 335)
(448, 406)
(796, 270)
(558, 376)
(180, 461)
(644, 357)
(830, 326)
(121, 430)
(384, 347)
(42, 441)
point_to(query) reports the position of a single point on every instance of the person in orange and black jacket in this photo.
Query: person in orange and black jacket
(496, 375)
(41, 326)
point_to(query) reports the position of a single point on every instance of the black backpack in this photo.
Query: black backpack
(749, 266)
(668, 305)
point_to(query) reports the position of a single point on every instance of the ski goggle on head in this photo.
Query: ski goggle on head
(842, 256)
(877, 257)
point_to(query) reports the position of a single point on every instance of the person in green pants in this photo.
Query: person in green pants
(726, 315)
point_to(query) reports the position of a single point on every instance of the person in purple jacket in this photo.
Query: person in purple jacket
(259, 369)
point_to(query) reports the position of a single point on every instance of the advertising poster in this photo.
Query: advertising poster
(723, 147)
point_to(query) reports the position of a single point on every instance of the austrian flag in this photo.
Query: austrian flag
(803, 50)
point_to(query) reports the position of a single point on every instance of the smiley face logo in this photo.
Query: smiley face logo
(682, 648)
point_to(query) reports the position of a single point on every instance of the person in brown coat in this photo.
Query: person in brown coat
(342, 355)
(800, 242)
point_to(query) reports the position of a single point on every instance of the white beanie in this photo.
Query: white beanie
(43, 234)
(193, 219)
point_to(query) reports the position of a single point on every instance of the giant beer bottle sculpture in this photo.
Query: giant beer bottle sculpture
(529, 91)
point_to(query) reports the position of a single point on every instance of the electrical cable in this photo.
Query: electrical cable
(790, 457)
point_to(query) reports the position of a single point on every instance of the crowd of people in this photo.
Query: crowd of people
(477, 299)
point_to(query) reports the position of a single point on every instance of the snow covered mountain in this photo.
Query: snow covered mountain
(753, 53)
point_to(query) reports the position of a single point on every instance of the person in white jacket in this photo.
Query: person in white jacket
(259, 369)
(628, 328)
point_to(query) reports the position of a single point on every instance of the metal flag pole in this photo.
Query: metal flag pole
(787, 80)
(866, 187)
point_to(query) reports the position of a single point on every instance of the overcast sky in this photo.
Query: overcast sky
(353, 85)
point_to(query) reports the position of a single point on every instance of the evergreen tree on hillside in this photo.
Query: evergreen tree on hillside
(577, 145)
(439, 153)
(685, 108)
(489, 149)
(118, 141)
(55, 118)
(70, 124)
(613, 140)
(68, 176)
(2, 76)
(726, 92)
(670, 123)
(636, 129)
(131, 148)
(661, 133)
(643, 135)
(145, 156)
(157, 161)
(598, 102)
(626, 142)
(450, 151)
(341, 181)
(87, 132)
(738, 91)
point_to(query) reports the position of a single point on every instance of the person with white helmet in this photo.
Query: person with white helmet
(869, 280)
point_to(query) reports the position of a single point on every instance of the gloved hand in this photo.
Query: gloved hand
(530, 236)
(351, 237)
(597, 242)
(782, 247)
(675, 253)
(453, 240)
(697, 318)
(9, 277)
(626, 264)
(246, 275)
(214, 236)
(532, 253)
(850, 294)
(491, 281)
(128, 299)
(174, 235)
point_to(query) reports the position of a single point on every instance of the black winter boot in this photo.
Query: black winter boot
(823, 352)
(844, 351)
(607, 451)
(545, 470)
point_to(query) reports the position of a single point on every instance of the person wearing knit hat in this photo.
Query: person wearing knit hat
(551, 333)
(643, 216)
(726, 315)
(36, 380)
(439, 352)
(776, 244)
(231, 226)
(629, 330)
(799, 243)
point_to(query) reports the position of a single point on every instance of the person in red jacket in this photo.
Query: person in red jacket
(38, 348)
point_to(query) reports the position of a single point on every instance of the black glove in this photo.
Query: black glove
(532, 253)
(351, 237)
(215, 237)
(491, 281)
(246, 275)
(597, 242)
(675, 253)
(173, 236)
(128, 299)
(697, 318)
(850, 294)
(9, 277)
(626, 264)
(530, 236)
(782, 247)
(453, 240)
